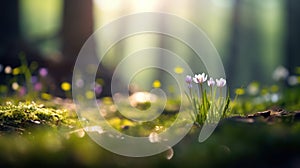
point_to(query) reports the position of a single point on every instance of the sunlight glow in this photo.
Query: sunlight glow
(108, 4)
(144, 5)
(141, 98)
(135, 5)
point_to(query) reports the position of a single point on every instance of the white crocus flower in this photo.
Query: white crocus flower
(211, 82)
(221, 82)
(200, 78)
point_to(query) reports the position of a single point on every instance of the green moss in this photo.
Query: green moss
(26, 114)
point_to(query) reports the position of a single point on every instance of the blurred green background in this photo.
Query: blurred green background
(253, 37)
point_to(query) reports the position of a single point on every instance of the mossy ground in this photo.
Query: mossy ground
(48, 134)
(233, 144)
(26, 115)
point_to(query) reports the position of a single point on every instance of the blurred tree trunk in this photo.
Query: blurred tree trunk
(293, 35)
(77, 26)
(12, 43)
(9, 30)
(234, 43)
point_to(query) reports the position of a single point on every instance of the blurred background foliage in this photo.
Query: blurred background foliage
(253, 37)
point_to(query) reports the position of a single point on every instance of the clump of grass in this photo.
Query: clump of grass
(207, 106)
(27, 114)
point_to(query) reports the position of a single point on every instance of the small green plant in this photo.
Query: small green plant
(209, 107)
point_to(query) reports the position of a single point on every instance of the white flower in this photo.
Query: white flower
(280, 73)
(200, 78)
(211, 82)
(221, 82)
(293, 80)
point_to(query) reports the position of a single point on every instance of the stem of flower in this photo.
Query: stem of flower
(220, 97)
(211, 92)
(201, 87)
(202, 95)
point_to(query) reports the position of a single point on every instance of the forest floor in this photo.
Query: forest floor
(54, 137)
